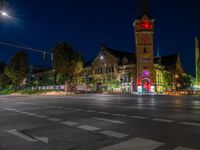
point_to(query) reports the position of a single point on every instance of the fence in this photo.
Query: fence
(46, 88)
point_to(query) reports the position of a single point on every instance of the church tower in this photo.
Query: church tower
(144, 41)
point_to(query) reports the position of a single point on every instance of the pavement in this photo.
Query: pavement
(100, 122)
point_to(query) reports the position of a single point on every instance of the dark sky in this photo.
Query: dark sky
(87, 24)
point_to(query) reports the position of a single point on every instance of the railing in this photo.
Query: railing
(46, 88)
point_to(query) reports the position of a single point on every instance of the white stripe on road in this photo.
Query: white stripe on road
(108, 120)
(88, 127)
(22, 136)
(28, 113)
(183, 148)
(163, 120)
(114, 134)
(191, 124)
(139, 117)
(120, 115)
(104, 113)
(70, 123)
(135, 144)
(12, 109)
(55, 119)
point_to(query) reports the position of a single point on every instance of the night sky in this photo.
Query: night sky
(87, 24)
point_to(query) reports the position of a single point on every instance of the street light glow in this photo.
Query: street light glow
(4, 13)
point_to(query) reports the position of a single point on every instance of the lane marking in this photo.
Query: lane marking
(55, 119)
(43, 139)
(104, 113)
(120, 115)
(135, 144)
(139, 117)
(70, 123)
(108, 120)
(163, 120)
(183, 148)
(114, 134)
(191, 124)
(22, 136)
(88, 127)
(12, 109)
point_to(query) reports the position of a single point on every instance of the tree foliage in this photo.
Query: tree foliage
(198, 71)
(4, 79)
(18, 68)
(66, 60)
(187, 81)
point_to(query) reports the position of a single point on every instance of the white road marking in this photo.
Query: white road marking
(104, 113)
(70, 123)
(43, 139)
(139, 117)
(12, 109)
(135, 144)
(120, 115)
(114, 134)
(55, 119)
(88, 127)
(108, 120)
(22, 136)
(163, 120)
(191, 124)
(183, 148)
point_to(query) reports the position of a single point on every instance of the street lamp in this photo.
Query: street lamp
(4, 13)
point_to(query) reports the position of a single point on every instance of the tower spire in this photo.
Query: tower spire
(144, 8)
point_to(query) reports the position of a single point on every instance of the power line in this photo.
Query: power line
(25, 48)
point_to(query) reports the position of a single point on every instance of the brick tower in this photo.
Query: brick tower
(144, 40)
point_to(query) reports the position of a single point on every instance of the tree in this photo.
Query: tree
(198, 71)
(66, 61)
(187, 81)
(4, 79)
(18, 68)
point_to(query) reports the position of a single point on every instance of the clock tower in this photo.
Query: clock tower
(144, 31)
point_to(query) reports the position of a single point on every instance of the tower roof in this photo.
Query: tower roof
(143, 9)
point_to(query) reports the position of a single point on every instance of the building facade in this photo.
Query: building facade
(120, 71)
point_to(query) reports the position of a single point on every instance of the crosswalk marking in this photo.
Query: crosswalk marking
(183, 148)
(108, 120)
(20, 135)
(70, 123)
(139, 117)
(135, 144)
(114, 134)
(88, 127)
(191, 124)
(163, 120)
(120, 115)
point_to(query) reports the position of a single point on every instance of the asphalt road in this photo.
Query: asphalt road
(99, 122)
